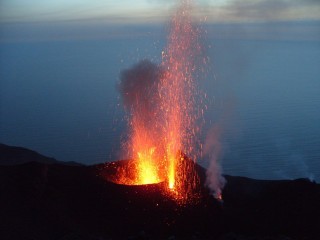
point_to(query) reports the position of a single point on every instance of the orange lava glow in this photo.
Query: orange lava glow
(171, 173)
(147, 169)
(148, 166)
(180, 105)
(158, 152)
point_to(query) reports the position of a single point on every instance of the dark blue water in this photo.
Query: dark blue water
(60, 99)
(274, 118)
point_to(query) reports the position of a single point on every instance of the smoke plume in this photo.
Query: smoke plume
(139, 90)
(212, 148)
(138, 87)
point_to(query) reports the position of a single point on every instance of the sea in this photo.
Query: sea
(59, 97)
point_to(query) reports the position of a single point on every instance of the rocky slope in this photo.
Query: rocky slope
(40, 200)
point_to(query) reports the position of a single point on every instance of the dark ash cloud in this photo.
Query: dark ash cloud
(138, 87)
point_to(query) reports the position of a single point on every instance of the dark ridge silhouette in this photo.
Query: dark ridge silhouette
(57, 201)
(10, 155)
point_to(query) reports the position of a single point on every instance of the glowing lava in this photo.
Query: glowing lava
(180, 102)
(167, 121)
(147, 169)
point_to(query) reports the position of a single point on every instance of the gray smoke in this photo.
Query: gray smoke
(212, 148)
(138, 88)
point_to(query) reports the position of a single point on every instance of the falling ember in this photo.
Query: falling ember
(165, 109)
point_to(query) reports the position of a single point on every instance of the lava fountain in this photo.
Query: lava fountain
(180, 101)
(139, 88)
(165, 113)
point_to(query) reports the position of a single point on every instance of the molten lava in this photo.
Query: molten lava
(179, 98)
(173, 121)
(148, 171)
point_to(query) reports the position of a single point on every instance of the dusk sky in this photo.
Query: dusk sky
(61, 61)
(152, 11)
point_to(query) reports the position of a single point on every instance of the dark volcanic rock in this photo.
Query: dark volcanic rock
(55, 201)
(10, 155)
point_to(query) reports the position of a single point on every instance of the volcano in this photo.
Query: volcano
(126, 172)
(41, 200)
(165, 109)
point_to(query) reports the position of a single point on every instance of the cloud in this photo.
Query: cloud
(160, 10)
(261, 10)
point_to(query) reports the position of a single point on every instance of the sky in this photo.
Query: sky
(57, 20)
(151, 11)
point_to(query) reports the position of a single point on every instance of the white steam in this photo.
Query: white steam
(212, 149)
